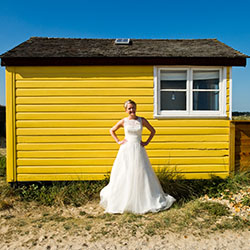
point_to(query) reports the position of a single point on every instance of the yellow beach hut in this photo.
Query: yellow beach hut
(63, 95)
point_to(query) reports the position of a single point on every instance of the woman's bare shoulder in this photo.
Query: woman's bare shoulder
(121, 122)
(144, 120)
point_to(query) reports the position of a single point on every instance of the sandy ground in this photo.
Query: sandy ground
(30, 226)
(47, 240)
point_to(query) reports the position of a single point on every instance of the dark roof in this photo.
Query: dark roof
(68, 51)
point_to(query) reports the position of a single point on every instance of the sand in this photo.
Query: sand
(46, 240)
(29, 226)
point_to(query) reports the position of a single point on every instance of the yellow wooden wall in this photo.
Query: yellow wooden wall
(58, 121)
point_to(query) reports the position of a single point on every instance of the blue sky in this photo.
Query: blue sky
(227, 21)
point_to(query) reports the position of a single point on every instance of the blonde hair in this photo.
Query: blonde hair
(129, 102)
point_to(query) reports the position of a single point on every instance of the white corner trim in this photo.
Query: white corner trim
(155, 92)
(224, 91)
(230, 94)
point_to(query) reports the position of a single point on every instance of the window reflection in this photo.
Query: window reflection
(173, 100)
(206, 100)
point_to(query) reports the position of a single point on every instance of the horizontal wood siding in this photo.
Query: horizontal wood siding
(242, 145)
(63, 117)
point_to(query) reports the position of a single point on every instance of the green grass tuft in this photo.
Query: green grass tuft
(60, 193)
(184, 190)
(2, 166)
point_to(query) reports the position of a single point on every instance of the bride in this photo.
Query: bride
(133, 185)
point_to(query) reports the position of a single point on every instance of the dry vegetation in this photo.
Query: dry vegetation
(59, 214)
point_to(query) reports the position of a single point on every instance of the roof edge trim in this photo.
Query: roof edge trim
(76, 61)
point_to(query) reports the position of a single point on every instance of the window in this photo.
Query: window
(189, 92)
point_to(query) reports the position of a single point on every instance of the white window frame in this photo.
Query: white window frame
(189, 112)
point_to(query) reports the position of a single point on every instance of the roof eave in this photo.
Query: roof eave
(78, 61)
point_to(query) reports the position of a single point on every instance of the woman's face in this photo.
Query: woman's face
(131, 109)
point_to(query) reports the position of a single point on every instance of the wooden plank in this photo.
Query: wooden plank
(63, 169)
(70, 92)
(245, 163)
(77, 115)
(243, 127)
(60, 177)
(108, 138)
(243, 142)
(110, 83)
(113, 145)
(84, 72)
(232, 148)
(242, 145)
(78, 176)
(10, 126)
(104, 131)
(79, 107)
(67, 146)
(109, 123)
(241, 136)
(228, 93)
(106, 169)
(113, 153)
(84, 100)
(243, 148)
(241, 121)
(109, 161)
(244, 156)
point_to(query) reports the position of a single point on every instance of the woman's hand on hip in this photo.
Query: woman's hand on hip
(144, 143)
(122, 142)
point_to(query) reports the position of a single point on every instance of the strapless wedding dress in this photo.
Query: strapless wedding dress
(133, 185)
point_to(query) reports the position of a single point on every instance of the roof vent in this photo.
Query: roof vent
(122, 41)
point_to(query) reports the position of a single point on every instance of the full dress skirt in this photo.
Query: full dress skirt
(133, 185)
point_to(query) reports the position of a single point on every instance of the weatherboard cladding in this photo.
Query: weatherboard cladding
(68, 51)
(59, 119)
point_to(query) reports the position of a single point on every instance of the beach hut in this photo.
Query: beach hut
(63, 95)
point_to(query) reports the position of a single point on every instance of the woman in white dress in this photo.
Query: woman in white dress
(133, 185)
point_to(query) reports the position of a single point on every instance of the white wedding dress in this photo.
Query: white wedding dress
(133, 185)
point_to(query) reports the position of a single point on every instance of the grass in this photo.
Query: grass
(77, 193)
(186, 190)
(241, 117)
(60, 193)
(189, 213)
(2, 166)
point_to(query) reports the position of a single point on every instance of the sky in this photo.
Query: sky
(226, 20)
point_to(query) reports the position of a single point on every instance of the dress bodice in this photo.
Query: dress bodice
(133, 129)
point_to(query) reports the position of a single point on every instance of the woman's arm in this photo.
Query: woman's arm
(115, 128)
(146, 124)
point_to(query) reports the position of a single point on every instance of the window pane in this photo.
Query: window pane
(173, 84)
(173, 79)
(206, 79)
(207, 100)
(173, 100)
